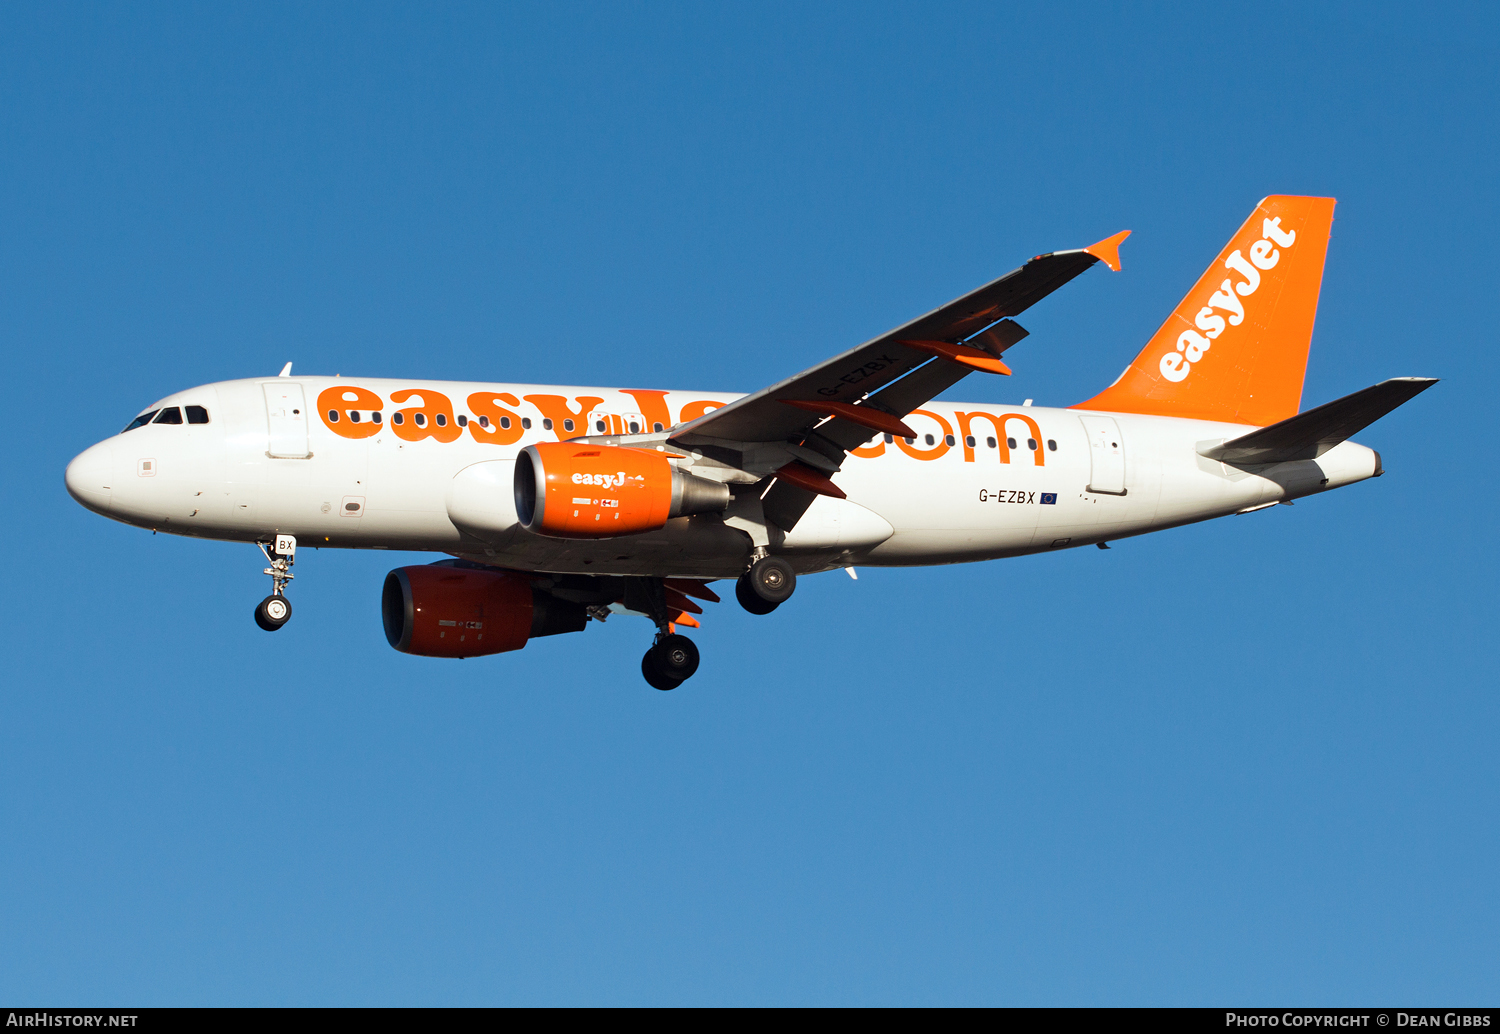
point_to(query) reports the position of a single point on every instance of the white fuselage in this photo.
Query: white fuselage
(1078, 478)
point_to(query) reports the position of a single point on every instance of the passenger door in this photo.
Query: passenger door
(1106, 455)
(601, 421)
(286, 417)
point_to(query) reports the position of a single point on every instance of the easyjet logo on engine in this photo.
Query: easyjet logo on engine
(602, 480)
(1193, 345)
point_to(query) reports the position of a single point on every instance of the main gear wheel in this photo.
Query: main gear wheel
(768, 584)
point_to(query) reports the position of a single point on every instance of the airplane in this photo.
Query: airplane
(560, 505)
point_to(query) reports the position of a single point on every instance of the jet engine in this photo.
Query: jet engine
(449, 610)
(580, 491)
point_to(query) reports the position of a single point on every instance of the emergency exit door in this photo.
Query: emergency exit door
(286, 418)
(1106, 455)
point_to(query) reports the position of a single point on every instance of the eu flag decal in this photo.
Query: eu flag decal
(1049, 498)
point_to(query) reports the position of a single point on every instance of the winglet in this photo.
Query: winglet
(286, 371)
(1108, 250)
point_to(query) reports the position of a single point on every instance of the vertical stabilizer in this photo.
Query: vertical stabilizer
(1235, 349)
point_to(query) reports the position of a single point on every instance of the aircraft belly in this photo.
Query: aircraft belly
(698, 546)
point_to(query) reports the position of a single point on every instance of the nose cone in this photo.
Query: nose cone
(90, 477)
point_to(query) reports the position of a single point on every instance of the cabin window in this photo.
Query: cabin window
(170, 415)
(398, 418)
(890, 439)
(1051, 445)
(1010, 443)
(333, 416)
(484, 421)
(354, 416)
(375, 417)
(599, 424)
(420, 418)
(990, 442)
(635, 428)
(911, 441)
(442, 419)
(657, 428)
(197, 415)
(140, 421)
(1031, 444)
(567, 425)
(947, 439)
(929, 439)
(969, 440)
(463, 421)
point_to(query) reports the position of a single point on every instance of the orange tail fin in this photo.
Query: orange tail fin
(1236, 347)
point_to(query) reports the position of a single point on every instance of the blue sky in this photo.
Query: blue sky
(1251, 761)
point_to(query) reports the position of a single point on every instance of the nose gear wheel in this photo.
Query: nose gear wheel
(273, 612)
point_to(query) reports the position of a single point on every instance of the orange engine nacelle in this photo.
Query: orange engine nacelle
(579, 491)
(442, 610)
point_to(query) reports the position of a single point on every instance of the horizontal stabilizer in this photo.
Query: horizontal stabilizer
(1309, 435)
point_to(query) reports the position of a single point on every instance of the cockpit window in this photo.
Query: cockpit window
(170, 415)
(196, 414)
(141, 421)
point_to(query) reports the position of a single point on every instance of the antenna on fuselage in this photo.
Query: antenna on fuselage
(286, 371)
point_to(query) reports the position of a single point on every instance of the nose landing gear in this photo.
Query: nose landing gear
(276, 610)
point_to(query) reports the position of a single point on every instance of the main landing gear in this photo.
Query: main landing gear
(672, 658)
(768, 584)
(670, 662)
(276, 610)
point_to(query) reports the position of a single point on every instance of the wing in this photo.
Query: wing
(979, 321)
(799, 430)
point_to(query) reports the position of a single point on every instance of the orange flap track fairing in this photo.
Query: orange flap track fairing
(865, 416)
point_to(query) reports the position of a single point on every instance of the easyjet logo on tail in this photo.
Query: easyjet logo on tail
(1192, 345)
(1235, 348)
